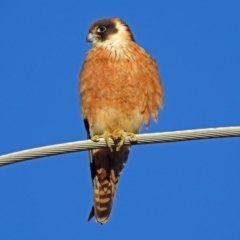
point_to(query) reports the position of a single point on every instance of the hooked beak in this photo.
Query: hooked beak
(90, 37)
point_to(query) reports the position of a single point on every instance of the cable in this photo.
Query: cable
(163, 137)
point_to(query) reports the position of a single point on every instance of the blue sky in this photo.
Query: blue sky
(185, 190)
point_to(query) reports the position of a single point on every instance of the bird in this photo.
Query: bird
(120, 89)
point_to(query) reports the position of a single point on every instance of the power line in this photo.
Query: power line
(77, 146)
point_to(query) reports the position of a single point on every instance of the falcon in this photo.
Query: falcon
(120, 90)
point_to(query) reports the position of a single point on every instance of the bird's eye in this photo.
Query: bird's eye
(101, 29)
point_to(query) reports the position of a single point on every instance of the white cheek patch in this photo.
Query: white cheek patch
(117, 43)
(121, 36)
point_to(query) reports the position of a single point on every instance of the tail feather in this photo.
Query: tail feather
(106, 167)
(104, 193)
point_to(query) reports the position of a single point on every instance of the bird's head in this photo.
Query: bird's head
(110, 30)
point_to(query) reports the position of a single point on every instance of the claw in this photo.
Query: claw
(118, 138)
(121, 134)
(106, 135)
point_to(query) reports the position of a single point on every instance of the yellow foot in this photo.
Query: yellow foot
(121, 135)
(106, 135)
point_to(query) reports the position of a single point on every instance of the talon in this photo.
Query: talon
(108, 143)
(106, 135)
(119, 138)
(133, 137)
(122, 135)
(96, 138)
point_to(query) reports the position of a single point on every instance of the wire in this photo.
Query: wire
(163, 137)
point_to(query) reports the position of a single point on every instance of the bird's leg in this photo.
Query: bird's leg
(121, 135)
(106, 135)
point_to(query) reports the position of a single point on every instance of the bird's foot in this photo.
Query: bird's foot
(121, 135)
(117, 138)
(106, 135)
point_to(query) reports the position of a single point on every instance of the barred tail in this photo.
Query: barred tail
(106, 167)
(104, 192)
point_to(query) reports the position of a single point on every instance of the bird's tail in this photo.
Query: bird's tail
(104, 192)
(106, 167)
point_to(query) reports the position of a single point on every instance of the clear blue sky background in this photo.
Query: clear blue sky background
(185, 190)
